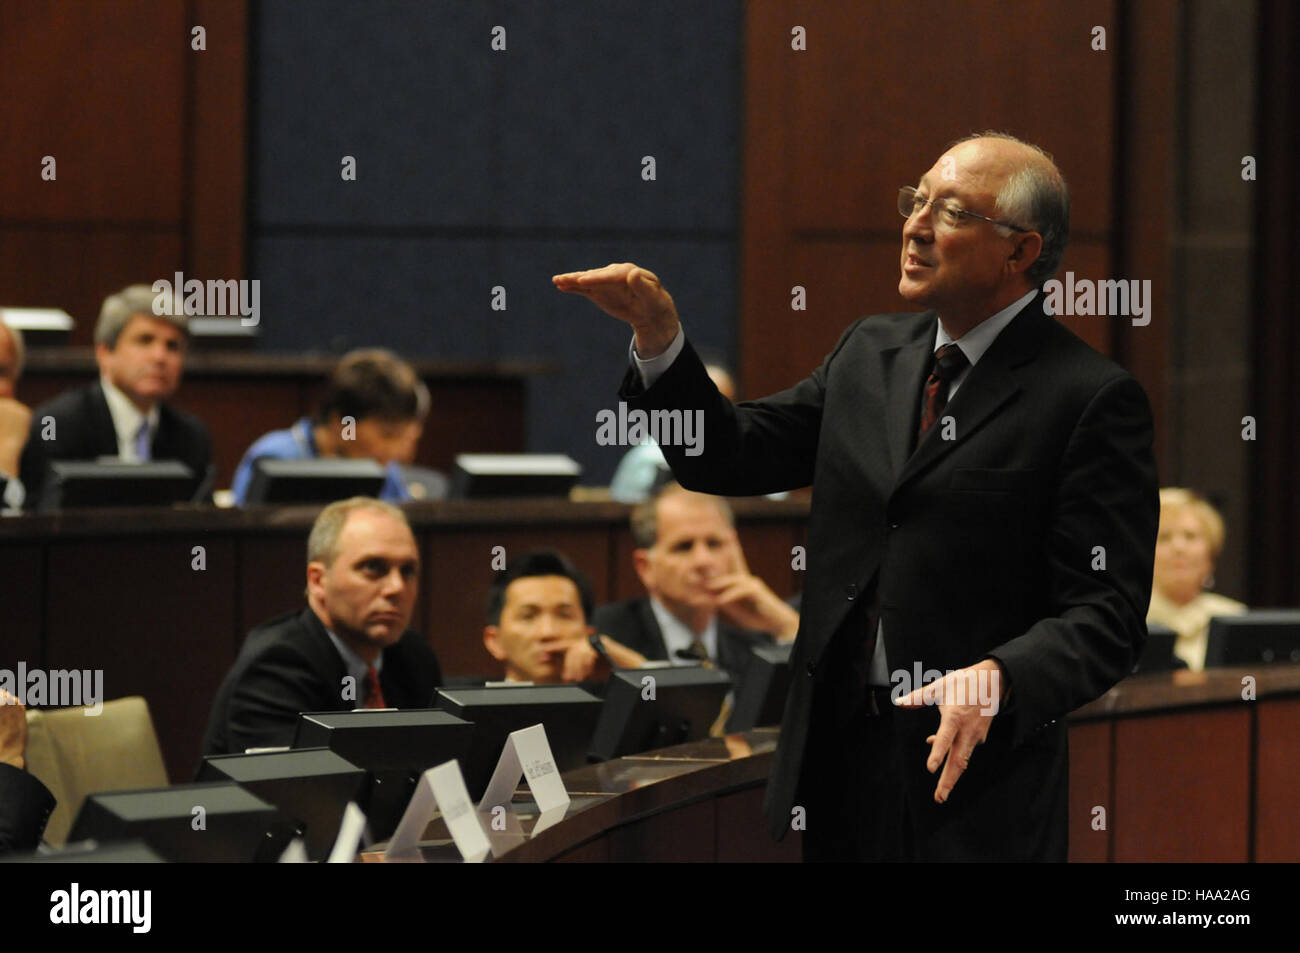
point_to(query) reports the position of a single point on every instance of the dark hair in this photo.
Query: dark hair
(538, 562)
(371, 383)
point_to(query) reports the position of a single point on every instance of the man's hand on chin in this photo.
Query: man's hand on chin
(968, 699)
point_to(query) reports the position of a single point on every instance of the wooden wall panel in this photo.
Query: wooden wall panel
(1177, 801)
(1277, 779)
(128, 606)
(1091, 752)
(21, 579)
(148, 139)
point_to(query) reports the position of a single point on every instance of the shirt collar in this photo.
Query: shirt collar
(978, 339)
(127, 418)
(678, 635)
(356, 666)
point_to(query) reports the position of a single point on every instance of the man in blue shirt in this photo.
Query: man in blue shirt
(374, 407)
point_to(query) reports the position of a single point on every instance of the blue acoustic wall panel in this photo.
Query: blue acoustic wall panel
(478, 168)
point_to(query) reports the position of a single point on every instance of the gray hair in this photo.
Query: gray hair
(20, 349)
(323, 543)
(645, 516)
(1035, 196)
(118, 309)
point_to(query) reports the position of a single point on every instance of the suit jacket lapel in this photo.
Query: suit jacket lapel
(103, 432)
(905, 367)
(988, 386)
(654, 634)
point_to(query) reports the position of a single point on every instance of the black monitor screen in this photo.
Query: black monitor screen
(676, 705)
(763, 685)
(396, 747)
(1158, 652)
(488, 475)
(1262, 635)
(83, 483)
(218, 822)
(567, 712)
(312, 786)
(313, 481)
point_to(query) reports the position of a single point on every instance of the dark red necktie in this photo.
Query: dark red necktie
(374, 694)
(949, 361)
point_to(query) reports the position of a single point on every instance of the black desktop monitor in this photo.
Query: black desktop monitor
(679, 705)
(763, 685)
(84, 483)
(396, 747)
(568, 713)
(313, 481)
(487, 475)
(1158, 652)
(219, 822)
(1261, 635)
(312, 786)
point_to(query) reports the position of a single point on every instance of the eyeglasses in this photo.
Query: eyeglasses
(910, 203)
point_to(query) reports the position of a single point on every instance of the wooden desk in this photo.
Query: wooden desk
(1185, 769)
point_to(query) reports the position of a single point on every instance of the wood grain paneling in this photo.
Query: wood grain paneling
(1178, 800)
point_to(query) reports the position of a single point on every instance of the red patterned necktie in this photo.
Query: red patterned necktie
(949, 361)
(374, 694)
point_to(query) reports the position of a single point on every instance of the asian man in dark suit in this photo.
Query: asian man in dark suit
(984, 504)
(350, 648)
(702, 602)
(124, 414)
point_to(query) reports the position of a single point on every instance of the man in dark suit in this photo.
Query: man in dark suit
(350, 648)
(984, 504)
(702, 601)
(140, 355)
(25, 803)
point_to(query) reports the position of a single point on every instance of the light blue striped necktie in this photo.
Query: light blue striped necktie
(142, 441)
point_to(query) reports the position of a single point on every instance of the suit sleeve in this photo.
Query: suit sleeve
(264, 705)
(747, 449)
(1100, 549)
(25, 807)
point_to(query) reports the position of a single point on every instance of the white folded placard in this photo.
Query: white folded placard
(440, 789)
(527, 754)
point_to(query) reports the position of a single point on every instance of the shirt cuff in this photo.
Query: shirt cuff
(654, 368)
(15, 494)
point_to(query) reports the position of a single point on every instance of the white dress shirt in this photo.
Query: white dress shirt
(678, 635)
(126, 421)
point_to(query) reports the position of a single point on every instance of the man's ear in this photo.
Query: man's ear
(315, 574)
(102, 355)
(492, 642)
(1029, 246)
(641, 562)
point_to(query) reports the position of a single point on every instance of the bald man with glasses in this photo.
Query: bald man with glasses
(985, 506)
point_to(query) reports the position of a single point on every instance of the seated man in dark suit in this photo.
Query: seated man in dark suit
(25, 803)
(703, 602)
(140, 355)
(538, 609)
(350, 648)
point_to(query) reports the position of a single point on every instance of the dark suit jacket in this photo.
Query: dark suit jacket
(25, 808)
(633, 623)
(289, 665)
(982, 546)
(83, 430)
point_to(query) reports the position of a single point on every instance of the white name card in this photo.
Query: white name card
(527, 755)
(440, 789)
